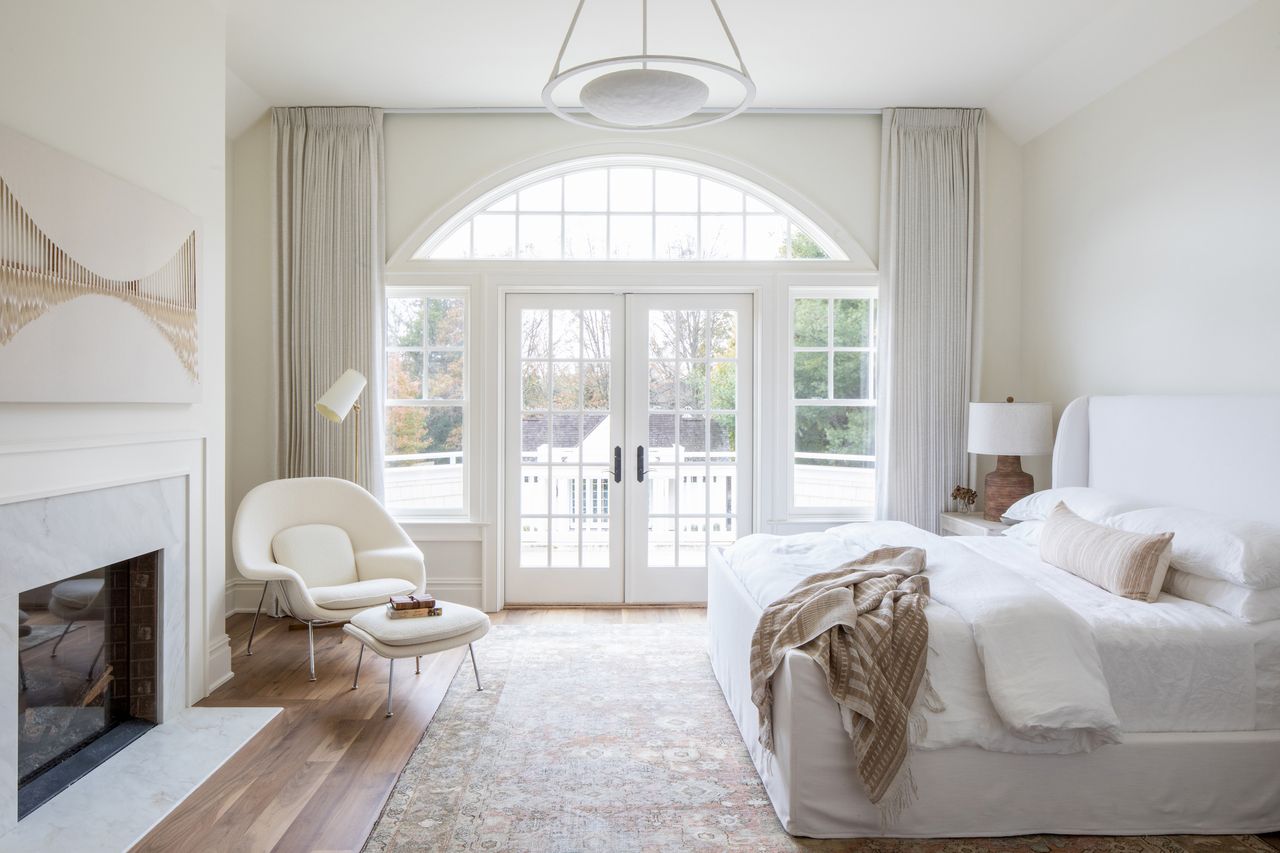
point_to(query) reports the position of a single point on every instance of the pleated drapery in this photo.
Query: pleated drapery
(327, 257)
(930, 264)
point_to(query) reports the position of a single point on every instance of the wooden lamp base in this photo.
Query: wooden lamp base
(1005, 486)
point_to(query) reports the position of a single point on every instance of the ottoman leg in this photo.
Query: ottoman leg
(474, 668)
(391, 671)
(311, 650)
(417, 665)
(359, 660)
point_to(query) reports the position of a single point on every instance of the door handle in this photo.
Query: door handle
(640, 469)
(617, 464)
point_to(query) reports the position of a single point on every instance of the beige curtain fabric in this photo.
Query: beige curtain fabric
(930, 265)
(327, 257)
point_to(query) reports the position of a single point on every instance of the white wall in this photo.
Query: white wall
(1152, 218)
(136, 87)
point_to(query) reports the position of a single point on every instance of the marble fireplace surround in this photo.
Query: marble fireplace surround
(74, 525)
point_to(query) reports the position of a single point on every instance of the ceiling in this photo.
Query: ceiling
(1032, 62)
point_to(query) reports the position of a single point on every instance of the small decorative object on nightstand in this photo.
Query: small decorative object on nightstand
(1009, 431)
(970, 524)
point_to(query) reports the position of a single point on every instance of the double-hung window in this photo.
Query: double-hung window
(426, 401)
(833, 401)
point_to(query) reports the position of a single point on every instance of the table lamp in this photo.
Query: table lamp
(342, 398)
(1009, 431)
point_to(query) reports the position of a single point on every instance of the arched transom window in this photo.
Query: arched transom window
(651, 209)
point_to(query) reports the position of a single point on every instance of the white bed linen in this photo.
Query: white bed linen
(1201, 782)
(1171, 665)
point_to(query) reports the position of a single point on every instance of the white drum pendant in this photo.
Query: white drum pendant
(644, 97)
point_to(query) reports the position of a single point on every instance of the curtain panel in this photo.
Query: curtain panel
(328, 298)
(930, 265)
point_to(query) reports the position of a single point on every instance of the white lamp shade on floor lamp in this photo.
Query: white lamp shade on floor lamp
(341, 396)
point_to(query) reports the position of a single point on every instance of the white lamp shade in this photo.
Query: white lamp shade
(1011, 429)
(341, 396)
(642, 97)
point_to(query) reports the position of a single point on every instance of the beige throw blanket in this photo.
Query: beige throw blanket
(864, 624)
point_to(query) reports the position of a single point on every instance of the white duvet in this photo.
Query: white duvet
(1027, 658)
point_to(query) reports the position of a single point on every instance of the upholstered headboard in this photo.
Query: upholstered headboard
(1215, 453)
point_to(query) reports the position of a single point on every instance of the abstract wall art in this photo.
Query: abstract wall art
(99, 284)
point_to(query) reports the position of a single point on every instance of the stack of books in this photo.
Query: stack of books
(412, 606)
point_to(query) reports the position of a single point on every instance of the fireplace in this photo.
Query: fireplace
(88, 666)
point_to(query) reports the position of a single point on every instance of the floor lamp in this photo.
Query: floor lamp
(342, 398)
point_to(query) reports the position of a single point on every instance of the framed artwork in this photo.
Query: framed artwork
(99, 284)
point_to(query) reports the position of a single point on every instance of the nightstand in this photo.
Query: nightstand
(970, 524)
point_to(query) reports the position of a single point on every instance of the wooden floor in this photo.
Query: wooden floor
(316, 778)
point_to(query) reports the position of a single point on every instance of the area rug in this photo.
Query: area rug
(617, 738)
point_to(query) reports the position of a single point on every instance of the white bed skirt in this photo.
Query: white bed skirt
(1160, 783)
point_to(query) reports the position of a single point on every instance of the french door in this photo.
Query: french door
(629, 444)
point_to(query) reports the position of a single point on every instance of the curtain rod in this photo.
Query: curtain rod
(753, 110)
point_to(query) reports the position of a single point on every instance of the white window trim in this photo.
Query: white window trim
(431, 291)
(791, 294)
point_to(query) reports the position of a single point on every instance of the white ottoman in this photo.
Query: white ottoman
(458, 625)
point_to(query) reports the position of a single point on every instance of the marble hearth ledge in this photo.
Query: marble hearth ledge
(119, 801)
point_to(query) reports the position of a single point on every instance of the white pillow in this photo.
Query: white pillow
(1246, 553)
(1026, 532)
(321, 553)
(1247, 605)
(1090, 504)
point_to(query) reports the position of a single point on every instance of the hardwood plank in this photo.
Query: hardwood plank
(317, 777)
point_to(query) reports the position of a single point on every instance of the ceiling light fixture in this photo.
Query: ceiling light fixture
(625, 97)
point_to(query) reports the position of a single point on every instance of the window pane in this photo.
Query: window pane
(853, 323)
(724, 334)
(543, 196)
(839, 431)
(566, 386)
(585, 237)
(718, 198)
(631, 190)
(456, 246)
(535, 438)
(595, 333)
(534, 333)
(662, 334)
(677, 238)
(595, 385)
(810, 376)
(586, 191)
(417, 430)
(507, 202)
(446, 321)
(810, 319)
(566, 437)
(852, 375)
(533, 489)
(724, 438)
(631, 237)
(766, 238)
(539, 236)
(444, 376)
(804, 246)
(662, 439)
(535, 387)
(675, 192)
(662, 385)
(404, 375)
(495, 235)
(533, 542)
(404, 322)
(566, 334)
(755, 205)
(693, 385)
(724, 385)
(692, 342)
(722, 238)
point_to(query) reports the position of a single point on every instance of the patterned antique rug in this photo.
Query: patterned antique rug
(617, 738)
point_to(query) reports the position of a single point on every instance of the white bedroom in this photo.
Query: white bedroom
(640, 425)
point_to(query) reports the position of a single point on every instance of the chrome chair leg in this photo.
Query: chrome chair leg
(311, 648)
(254, 629)
(359, 660)
(391, 671)
(474, 668)
(61, 637)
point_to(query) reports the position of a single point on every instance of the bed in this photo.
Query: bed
(1197, 692)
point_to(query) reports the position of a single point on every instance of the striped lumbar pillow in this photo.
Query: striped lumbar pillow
(1131, 565)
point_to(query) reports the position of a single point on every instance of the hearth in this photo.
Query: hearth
(89, 671)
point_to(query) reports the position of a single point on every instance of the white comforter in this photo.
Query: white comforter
(1016, 667)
